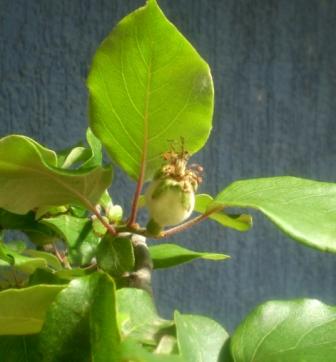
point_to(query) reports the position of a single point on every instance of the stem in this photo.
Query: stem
(188, 224)
(108, 226)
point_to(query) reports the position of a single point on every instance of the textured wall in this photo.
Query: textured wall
(274, 65)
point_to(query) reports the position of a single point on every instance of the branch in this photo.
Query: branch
(188, 224)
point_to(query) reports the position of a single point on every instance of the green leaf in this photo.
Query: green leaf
(29, 170)
(96, 154)
(37, 232)
(200, 339)
(88, 157)
(22, 311)
(76, 155)
(78, 234)
(241, 222)
(132, 351)
(4, 254)
(23, 263)
(105, 335)
(45, 276)
(115, 255)
(299, 330)
(169, 255)
(148, 86)
(50, 259)
(138, 316)
(303, 209)
(66, 333)
(19, 349)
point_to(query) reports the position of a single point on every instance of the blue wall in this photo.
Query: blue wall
(274, 66)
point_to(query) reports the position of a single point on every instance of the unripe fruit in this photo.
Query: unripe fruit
(169, 202)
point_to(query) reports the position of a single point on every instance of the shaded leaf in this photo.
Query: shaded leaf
(169, 255)
(133, 351)
(241, 222)
(19, 349)
(115, 255)
(138, 316)
(135, 76)
(22, 311)
(36, 231)
(200, 339)
(303, 209)
(299, 330)
(29, 170)
(21, 262)
(78, 234)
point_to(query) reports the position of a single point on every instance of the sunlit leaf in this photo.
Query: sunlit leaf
(200, 339)
(303, 209)
(148, 86)
(29, 178)
(241, 222)
(169, 255)
(22, 311)
(299, 330)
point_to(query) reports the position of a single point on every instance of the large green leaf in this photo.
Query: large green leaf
(148, 86)
(169, 255)
(22, 311)
(82, 321)
(78, 234)
(304, 209)
(277, 331)
(241, 222)
(200, 339)
(29, 178)
(138, 316)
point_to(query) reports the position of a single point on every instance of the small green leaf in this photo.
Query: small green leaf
(30, 170)
(299, 330)
(200, 339)
(241, 222)
(303, 209)
(22, 311)
(96, 157)
(133, 351)
(78, 234)
(169, 255)
(76, 155)
(82, 321)
(50, 211)
(138, 316)
(115, 255)
(135, 78)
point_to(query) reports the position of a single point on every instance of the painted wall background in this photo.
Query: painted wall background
(274, 66)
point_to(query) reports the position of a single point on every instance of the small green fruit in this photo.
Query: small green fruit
(169, 202)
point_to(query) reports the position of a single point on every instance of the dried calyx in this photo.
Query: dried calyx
(170, 197)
